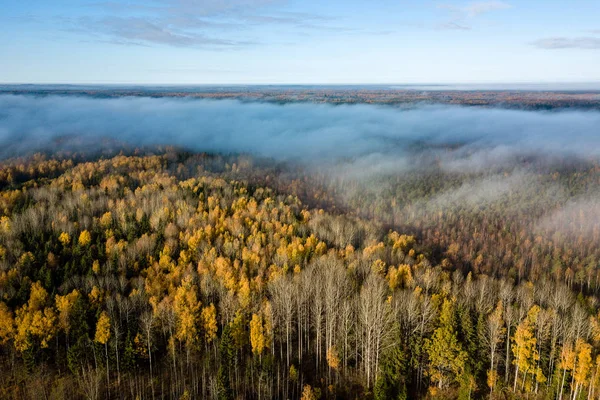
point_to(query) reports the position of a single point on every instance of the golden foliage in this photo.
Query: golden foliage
(308, 393)
(35, 322)
(7, 324)
(187, 309)
(85, 238)
(64, 305)
(332, 358)
(257, 334)
(102, 328)
(209, 322)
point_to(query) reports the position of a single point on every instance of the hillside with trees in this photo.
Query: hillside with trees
(173, 275)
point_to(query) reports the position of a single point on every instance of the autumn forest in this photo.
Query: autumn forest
(178, 275)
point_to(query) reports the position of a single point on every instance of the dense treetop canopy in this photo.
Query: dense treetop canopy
(177, 275)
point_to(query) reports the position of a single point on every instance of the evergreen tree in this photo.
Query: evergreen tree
(446, 356)
(227, 353)
(390, 383)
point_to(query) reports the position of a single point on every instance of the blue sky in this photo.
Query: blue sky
(290, 41)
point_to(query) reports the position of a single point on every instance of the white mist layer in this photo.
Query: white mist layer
(304, 132)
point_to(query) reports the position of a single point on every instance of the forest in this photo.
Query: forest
(160, 273)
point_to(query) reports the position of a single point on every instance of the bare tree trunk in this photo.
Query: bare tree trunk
(562, 384)
(107, 372)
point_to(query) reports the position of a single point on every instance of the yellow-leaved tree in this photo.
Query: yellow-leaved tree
(257, 334)
(64, 305)
(209, 322)
(102, 328)
(102, 336)
(308, 393)
(187, 311)
(333, 360)
(85, 238)
(64, 238)
(583, 367)
(525, 349)
(36, 323)
(567, 363)
(7, 324)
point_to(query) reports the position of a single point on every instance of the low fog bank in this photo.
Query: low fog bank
(373, 138)
(431, 168)
(578, 217)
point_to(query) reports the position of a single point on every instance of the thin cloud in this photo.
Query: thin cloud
(290, 18)
(454, 26)
(589, 43)
(142, 31)
(213, 24)
(211, 7)
(203, 8)
(119, 7)
(482, 7)
(460, 15)
(193, 70)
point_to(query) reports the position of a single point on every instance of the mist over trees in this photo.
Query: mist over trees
(351, 252)
(377, 137)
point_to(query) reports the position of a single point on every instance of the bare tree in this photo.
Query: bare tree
(375, 320)
(283, 309)
(494, 334)
(147, 324)
(89, 380)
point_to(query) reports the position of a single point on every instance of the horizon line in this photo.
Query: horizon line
(431, 83)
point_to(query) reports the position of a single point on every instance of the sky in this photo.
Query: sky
(299, 41)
